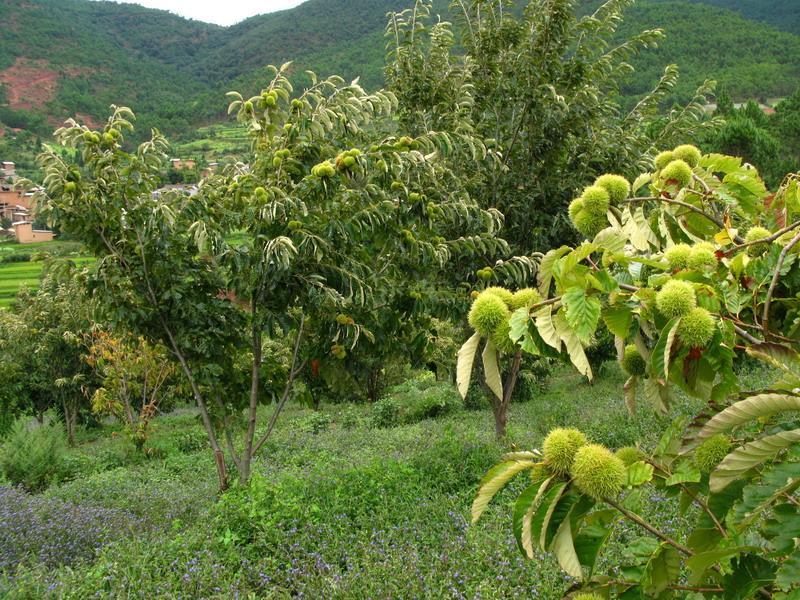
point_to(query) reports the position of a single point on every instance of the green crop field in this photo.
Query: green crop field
(18, 273)
(214, 143)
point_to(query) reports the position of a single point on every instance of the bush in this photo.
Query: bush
(315, 423)
(32, 455)
(192, 441)
(419, 398)
(385, 413)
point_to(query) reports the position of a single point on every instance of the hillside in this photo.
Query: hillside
(60, 58)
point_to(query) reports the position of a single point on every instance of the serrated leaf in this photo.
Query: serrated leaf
(524, 508)
(701, 562)
(783, 357)
(639, 473)
(641, 181)
(573, 345)
(546, 328)
(662, 351)
(618, 320)
(686, 473)
(541, 517)
(466, 358)
(663, 568)
(787, 575)
(592, 536)
(520, 319)
(582, 312)
(752, 454)
(491, 370)
(564, 550)
(749, 409)
(782, 478)
(497, 477)
(545, 273)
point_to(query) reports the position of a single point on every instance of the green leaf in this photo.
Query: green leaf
(541, 518)
(564, 550)
(545, 274)
(639, 473)
(782, 478)
(494, 480)
(520, 320)
(686, 473)
(582, 312)
(749, 409)
(752, 454)
(659, 359)
(573, 345)
(701, 562)
(777, 355)
(787, 576)
(546, 328)
(491, 370)
(618, 320)
(750, 572)
(592, 536)
(663, 568)
(524, 508)
(466, 357)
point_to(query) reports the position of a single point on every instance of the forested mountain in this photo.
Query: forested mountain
(66, 57)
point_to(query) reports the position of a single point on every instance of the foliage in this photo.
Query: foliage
(323, 226)
(541, 88)
(43, 344)
(172, 69)
(685, 319)
(421, 397)
(32, 454)
(50, 532)
(131, 372)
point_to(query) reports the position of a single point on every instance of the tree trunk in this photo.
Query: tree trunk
(500, 410)
(500, 406)
(69, 420)
(247, 454)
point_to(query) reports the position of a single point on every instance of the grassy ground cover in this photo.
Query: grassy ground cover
(21, 264)
(338, 508)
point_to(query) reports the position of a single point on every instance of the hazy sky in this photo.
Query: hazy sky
(226, 12)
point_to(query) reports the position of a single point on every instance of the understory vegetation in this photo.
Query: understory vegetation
(352, 511)
(485, 333)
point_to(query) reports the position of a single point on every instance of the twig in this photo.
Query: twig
(686, 205)
(293, 372)
(645, 525)
(767, 240)
(775, 277)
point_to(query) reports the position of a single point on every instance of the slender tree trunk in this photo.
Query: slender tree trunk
(500, 406)
(69, 420)
(247, 455)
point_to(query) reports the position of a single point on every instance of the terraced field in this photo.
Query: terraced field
(26, 273)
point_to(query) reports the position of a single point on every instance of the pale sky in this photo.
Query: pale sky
(227, 12)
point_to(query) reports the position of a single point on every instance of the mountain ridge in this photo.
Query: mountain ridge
(174, 71)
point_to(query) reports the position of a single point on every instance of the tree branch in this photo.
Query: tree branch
(773, 285)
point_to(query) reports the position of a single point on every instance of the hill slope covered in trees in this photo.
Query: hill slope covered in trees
(75, 57)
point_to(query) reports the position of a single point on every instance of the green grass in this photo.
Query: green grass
(16, 275)
(347, 512)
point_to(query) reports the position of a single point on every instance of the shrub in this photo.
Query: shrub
(416, 399)
(385, 413)
(32, 455)
(315, 423)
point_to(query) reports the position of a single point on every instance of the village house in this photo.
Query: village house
(183, 163)
(16, 207)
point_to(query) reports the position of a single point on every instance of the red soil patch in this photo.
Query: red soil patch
(29, 83)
